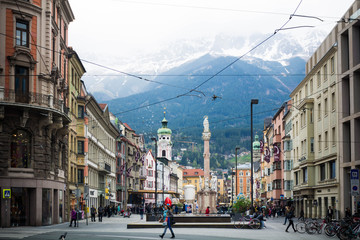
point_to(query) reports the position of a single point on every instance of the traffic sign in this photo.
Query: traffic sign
(6, 193)
(354, 180)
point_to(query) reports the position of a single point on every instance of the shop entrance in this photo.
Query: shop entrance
(19, 207)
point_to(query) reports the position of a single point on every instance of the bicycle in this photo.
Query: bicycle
(314, 226)
(241, 222)
(301, 226)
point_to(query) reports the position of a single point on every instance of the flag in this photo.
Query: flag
(267, 154)
(128, 171)
(122, 167)
(261, 146)
(277, 151)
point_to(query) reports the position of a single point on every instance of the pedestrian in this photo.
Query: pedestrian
(141, 211)
(261, 219)
(93, 213)
(330, 214)
(347, 213)
(286, 213)
(290, 218)
(118, 209)
(100, 213)
(168, 221)
(207, 211)
(73, 217)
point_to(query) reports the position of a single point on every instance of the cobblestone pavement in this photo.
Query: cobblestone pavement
(116, 228)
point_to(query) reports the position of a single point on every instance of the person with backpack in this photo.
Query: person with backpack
(168, 221)
(100, 213)
(93, 213)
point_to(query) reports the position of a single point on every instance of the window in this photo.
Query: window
(163, 153)
(312, 144)
(326, 106)
(311, 86)
(22, 33)
(21, 84)
(326, 140)
(277, 165)
(322, 172)
(80, 147)
(333, 136)
(319, 143)
(311, 115)
(306, 90)
(332, 169)
(332, 61)
(325, 72)
(20, 149)
(277, 184)
(319, 111)
(241, 180)
(150, 173)
(81, 176)
(287, 165)
(297, 178)
(288, 185)
(318, 79)
(305, 175)
(333, 102)
(80, 111)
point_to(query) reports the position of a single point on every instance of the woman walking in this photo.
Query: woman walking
(168, 217)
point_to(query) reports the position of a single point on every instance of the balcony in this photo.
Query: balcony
(9, 95)
(104, 168)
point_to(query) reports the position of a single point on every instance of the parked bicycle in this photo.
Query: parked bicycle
(244, 221)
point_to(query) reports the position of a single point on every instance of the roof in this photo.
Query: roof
(128, 127)
(103, 106)
(191, 172)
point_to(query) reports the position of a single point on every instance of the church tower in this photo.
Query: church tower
(164, 140)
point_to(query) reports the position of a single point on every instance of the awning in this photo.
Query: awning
(114, 201)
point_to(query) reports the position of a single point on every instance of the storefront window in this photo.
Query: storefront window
(20, 149)
(46, 206)
(60, 206)
(18, 207)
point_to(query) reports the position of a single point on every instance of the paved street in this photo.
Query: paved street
(115, 228)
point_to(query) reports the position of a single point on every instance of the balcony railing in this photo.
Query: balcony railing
(104, 167)
(9, 95)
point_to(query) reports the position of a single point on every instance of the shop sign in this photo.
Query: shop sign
(354, 180)
(6, 193)
(93, 193)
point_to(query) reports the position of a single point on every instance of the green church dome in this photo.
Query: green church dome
(164, 130)
(256, 143)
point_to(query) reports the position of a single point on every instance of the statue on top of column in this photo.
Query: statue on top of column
(206, 124)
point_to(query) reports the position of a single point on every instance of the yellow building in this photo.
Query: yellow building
(222, 191)
(76, 129)
(192, 177)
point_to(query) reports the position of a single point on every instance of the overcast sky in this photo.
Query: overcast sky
(127, 28)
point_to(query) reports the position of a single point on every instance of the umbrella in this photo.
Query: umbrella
(167, 201)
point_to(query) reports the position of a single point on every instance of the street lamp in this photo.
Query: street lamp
(253, 101)
(236, 192)
(155, 140)
(232, 186)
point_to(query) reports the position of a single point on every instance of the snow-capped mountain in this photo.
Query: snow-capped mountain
(281, 47)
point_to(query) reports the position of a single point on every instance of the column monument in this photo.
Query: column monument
(207, 194)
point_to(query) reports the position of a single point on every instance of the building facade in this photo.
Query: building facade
(34, 111)
(314, 130)
(100, 158)
(348, 83)
(76, 163)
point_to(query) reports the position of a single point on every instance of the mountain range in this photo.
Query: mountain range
(191, 82)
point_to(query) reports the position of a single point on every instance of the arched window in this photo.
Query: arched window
(163, 153)
(20, 149)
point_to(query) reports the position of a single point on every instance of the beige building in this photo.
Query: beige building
(100, 160)
(314, 133)
(347, 37)
(76, 152)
